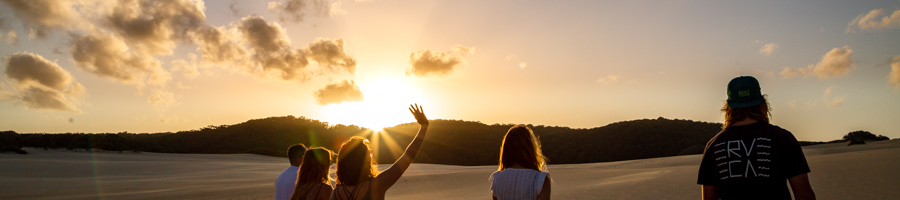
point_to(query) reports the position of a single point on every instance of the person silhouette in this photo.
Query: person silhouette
(751, 158)
(313, 182)
(356, 174)
(284, 184)
(522, 173)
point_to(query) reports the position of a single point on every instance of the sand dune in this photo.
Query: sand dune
(839, 172)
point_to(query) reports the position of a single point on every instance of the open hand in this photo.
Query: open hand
(416, 110)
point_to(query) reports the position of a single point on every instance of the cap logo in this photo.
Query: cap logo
(744, 93)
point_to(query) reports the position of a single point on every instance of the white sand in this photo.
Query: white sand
(839, 172)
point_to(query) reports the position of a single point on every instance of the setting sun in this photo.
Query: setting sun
(384, 104)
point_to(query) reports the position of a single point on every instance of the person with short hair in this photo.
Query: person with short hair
(284, 185)
(357, 175)
(523, 168)
(751, 158)
(313, 182)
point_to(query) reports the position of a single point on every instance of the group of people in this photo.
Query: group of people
(749, 159)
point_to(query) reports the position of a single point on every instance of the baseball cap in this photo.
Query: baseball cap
(744, 92)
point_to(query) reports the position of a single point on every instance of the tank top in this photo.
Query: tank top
(517, 183)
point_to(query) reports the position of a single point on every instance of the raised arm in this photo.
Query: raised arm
(390, 176)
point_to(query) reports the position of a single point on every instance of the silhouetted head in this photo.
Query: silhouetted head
(745, 100)
(313, 170)
(355, 163)
(521, 146)
(295, 152)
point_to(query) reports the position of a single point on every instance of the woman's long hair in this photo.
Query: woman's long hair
(355, 163)
(313, 171)
(760, 112)
(521, 146)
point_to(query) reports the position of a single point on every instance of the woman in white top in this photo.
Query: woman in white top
(523, 168)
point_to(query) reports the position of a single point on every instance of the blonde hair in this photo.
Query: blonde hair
(760, 112)
(313, 170)
(521, 146)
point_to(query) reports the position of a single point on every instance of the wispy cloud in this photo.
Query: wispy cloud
(12, 37)
(894, 76)
(41, 84)
(344, 91)
(426, 62)
(609, 79)
(829, 100)
(297, 10)
(874, 20)
(768, 48)
(834, 63)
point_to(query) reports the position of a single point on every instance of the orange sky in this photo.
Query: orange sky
(828, 68)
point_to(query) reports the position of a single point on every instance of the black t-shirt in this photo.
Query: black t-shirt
(752, 162)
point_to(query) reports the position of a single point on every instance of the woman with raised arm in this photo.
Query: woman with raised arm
(357, 177)
(313, 182)
(523, 168)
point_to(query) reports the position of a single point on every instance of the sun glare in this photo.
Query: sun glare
(384, 104)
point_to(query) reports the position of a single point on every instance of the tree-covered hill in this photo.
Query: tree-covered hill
(452, 142)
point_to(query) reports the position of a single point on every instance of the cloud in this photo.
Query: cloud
(262, 36)
(296, 10)
(155, 27)
(12, 37)
(109, 57)
(336, 9)
(834, 63)
(344, 91)
(873, 21)
(331, 55)
(829, 100)
(161, 99)
(236, 12)
(608, 79)
(44, 16)
(768, 48)
(894, 76)
(217, 46)
(809, 105)
(270, 48)
(427, 62)
(41, 84)
(189, 69)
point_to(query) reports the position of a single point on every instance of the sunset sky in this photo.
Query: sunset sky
(828, 68)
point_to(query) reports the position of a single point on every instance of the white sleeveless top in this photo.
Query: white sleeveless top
(517, 183)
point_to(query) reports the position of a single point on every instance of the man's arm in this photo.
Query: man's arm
(801, 188)
(709, 192)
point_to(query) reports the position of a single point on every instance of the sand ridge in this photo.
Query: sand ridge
(838, 172)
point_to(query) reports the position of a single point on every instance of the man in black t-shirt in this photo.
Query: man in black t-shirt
(750, 158)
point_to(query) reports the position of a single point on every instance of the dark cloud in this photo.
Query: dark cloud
(427, 62)
(331, 55)
(41, 84)
(263, 37)
(270, 48)
(344, 91)
(834, 63)
(44, 16)
(296, 10)
(217, 46)
(108, 56)
(155, 27)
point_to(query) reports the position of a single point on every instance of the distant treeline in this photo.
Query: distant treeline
(453, 142)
